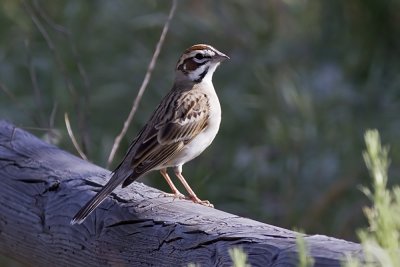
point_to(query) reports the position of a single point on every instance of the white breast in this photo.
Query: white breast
(205, 138)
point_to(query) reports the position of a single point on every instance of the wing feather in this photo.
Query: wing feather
(167, 132)
(190, 118)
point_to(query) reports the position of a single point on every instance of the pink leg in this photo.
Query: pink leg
(192, 195)
(175, 191)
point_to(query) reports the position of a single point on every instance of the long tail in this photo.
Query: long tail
(115, 180)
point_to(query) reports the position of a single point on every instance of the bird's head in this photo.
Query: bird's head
(198, 63)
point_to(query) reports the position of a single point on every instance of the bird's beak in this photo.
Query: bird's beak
(221, 57)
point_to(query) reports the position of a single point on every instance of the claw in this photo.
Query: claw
(197, 200)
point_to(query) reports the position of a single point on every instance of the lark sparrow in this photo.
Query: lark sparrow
(183, 125)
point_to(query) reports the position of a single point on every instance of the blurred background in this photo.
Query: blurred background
(305, 80)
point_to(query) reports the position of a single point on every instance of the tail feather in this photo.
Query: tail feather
(97, 199)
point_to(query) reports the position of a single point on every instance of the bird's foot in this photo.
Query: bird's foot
(197, 200)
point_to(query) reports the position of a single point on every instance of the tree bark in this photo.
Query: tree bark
(42, 187)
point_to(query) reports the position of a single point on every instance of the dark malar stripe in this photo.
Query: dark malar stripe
(202, 75)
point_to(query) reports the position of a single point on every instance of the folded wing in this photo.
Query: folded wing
(168, 132)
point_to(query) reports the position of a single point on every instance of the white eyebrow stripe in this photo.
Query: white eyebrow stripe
(209, 52)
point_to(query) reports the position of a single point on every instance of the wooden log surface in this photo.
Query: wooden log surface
(42, 187)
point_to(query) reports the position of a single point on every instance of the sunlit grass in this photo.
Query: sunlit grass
(380, 240)
(305, 260)
(239, 257)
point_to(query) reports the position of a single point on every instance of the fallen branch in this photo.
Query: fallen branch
(42, 187)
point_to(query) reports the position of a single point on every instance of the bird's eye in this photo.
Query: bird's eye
(199, 56)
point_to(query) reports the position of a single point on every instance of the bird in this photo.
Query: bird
(182, 126)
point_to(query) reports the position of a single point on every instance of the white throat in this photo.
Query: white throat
(209, 68)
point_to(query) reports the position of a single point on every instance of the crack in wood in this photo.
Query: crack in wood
(157, 232)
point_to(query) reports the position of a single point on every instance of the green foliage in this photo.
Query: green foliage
(305, 260)
(239, 257)
(304, 80)
(381, 240)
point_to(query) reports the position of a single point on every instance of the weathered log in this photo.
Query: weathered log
(42, 187)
